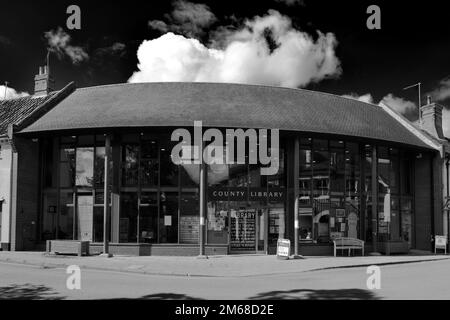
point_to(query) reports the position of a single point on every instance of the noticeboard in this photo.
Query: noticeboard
(283, 248)
(440, 242)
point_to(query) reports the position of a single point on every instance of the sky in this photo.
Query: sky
(312, 44)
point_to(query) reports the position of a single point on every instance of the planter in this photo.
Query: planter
(389, 247)
(68, 247)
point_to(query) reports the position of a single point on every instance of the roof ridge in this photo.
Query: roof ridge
(309, 91)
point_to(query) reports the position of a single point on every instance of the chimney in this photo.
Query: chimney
(431, 118)
(43, 82)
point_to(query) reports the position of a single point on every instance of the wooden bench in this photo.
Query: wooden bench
(348, 244)
(68, 247)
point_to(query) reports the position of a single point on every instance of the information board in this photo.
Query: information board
(283, 248)
(440, 242)
(243, 233)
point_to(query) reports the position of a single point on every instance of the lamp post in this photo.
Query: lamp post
(106, 207)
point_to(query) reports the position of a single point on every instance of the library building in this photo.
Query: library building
(344, 168)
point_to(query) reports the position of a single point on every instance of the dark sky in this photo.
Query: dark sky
(413, 44)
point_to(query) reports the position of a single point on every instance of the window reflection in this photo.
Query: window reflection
(84, 167)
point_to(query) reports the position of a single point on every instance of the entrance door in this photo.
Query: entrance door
(248, 230)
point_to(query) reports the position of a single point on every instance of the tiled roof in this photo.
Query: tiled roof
(222, 105)
(13, 111)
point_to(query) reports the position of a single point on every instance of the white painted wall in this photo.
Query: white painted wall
(5, 189)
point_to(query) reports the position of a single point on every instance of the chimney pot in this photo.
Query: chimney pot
(428, 99)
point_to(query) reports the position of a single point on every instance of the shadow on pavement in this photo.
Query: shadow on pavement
(162, 296)
(28, 292)
(309, 294)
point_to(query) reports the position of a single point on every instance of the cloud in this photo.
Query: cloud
(59, 42)
(11, 93)
(188, 19)
(117, 49)
(266, 50)
(442, 92)
(367, 98)
(400, 105)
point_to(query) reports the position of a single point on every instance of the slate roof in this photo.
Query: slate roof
(13, 111)
(222, 105)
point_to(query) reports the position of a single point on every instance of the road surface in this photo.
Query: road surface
(424, 280)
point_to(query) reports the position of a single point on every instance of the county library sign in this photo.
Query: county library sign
(249, 194)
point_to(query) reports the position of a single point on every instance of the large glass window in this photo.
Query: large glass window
(148, 217)
(84, 167)
(67, 167)
(128, 217)
(149, 161)
(130, 164)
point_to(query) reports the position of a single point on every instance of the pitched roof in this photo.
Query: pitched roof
(23, 111)
(13, 111)
(222, 105)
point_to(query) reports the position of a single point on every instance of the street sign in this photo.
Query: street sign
(440, 242)
(283, 248)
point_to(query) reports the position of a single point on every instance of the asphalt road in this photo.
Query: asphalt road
(424, 280)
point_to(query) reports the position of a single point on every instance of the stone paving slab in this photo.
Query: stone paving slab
(214, 266)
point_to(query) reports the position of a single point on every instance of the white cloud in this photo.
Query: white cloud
(442, 92)
(290, 57)
(367, 98)
(59, 42)
(400, 105)
(11, 93)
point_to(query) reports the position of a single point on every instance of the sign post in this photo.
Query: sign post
(283, 249)
(440, 242)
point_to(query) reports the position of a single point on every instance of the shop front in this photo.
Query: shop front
(250, 220)
(155, 203)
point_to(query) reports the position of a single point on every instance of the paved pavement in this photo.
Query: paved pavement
(214, 266)
(423, 280)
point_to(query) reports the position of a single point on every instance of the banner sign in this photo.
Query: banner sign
(246, 194)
